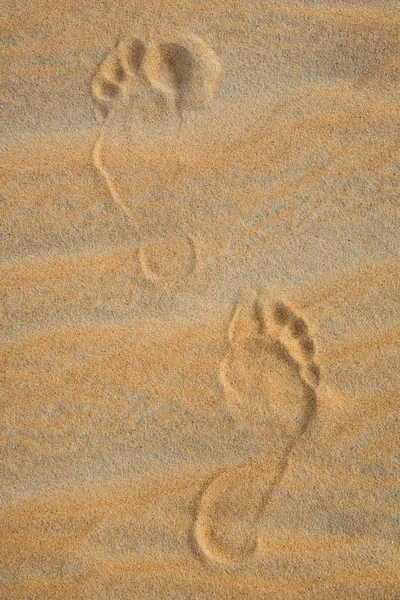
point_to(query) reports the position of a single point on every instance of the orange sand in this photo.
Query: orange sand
(199, 300)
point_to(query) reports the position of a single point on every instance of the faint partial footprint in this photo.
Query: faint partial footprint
(270, 380)
(169, 263)
(141, 92)
(383, 78)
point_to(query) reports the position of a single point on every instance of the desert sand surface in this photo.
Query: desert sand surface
(199, 300)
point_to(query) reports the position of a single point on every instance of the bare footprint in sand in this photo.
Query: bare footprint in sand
(141, 92)
(270, 379)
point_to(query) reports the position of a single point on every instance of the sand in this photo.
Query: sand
(199, 300)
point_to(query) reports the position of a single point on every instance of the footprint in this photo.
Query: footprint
(141, 93)
(270, 379)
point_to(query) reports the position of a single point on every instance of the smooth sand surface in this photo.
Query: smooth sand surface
(199, 300)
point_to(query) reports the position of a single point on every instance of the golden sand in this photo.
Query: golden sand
(199, 300)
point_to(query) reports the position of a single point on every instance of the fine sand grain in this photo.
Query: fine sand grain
(199, 300)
